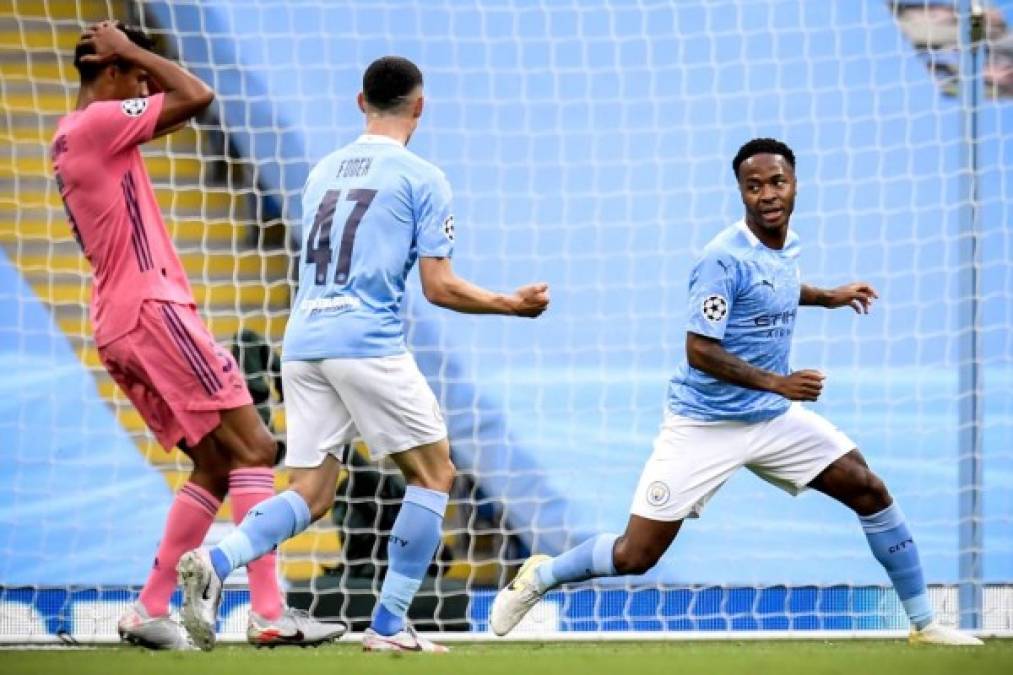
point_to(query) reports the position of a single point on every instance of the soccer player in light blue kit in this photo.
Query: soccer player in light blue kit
(369, 211)
(734, 403)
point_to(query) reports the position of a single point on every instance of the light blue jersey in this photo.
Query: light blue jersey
(369, 211)
(745, 295)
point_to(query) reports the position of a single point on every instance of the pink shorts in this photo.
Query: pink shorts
(174, 373)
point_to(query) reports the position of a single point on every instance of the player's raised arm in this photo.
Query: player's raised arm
(185, 94)
(444, 288)
(435, 233)
(858, 296)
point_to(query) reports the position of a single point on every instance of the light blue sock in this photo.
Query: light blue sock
(591, 559)
(266, 525)
(410, 549)
(894, 547)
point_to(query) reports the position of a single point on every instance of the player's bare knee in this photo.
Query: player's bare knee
(265, 449)
(244, 437)
(876, 493)
(214, 480)
(436, 475)
(633, 559)
(633, 564)
(259, 450)
(218, 476)
(866, 494)
(210, 468)
(444, 477)
(319, 497)
(320, 505)
(437, 481)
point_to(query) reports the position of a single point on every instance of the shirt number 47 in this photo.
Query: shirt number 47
(320, 253)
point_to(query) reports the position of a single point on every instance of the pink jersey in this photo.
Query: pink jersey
(113, 213)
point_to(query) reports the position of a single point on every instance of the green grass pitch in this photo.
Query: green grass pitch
(578, 658)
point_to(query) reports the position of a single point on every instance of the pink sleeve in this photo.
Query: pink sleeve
(116, 126)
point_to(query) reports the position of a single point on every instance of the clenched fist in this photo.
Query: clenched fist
(531, 300)
(802, 385)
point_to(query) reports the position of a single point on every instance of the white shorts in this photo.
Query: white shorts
(385, 400)
(693, 458)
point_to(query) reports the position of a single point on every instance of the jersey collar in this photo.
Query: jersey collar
(754, 242)
(377, 138)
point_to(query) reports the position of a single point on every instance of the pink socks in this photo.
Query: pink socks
(248, 487)
(192, 512)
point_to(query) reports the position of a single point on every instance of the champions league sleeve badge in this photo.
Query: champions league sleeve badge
(134, 107)
(714, 308)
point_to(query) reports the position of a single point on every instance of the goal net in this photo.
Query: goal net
(588, 145)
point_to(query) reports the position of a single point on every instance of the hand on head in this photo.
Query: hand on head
(108, 41)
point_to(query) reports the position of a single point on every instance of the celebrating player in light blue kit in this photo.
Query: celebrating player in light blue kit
(734, 403)
(346, 370)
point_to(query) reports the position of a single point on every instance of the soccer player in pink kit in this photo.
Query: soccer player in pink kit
(150, 338)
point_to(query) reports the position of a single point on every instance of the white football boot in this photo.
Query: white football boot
(137, 627)
(294, 627)
(405, 641)
(202, 591)
(937, 634)
(516, 600)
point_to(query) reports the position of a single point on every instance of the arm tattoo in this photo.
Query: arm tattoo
(717, 362)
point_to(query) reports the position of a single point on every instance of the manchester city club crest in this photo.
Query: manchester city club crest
(658, 493)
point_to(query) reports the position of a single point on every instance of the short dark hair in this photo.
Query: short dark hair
(762, 146)
(89, 71)
(388, 80)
